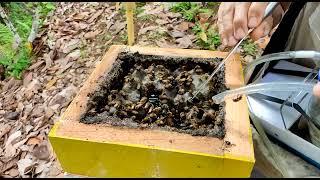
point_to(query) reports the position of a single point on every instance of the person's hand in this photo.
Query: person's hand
(236, 18)
(316, 90)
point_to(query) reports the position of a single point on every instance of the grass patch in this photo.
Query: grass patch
(249, 47)
(189, 10)
(212, 37)
(20, 14)
(138, 10)
(124, 38)
(147, 17)
(207, 38)
(156, 35)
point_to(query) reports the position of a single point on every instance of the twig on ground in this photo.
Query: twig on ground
(35, 26)
(17, 39)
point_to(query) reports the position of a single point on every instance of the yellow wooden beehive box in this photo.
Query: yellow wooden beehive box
(104, 151)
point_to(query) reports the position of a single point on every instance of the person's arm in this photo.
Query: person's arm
(285, 5)
(316, 90)
(236, 18)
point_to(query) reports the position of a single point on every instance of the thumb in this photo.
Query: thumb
(316, 90)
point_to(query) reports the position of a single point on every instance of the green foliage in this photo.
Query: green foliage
(44, 9)
(140, 4)
(156, 35)
(20, 14)
(196, 29)
(138, 10)
(249, 47)
(15, 62)
(189, 10)
(213, 37)
(124, 37)
(6, 36)
(147, 17)
(183, 6)
(213, 4)
(122, 10)
(20, 18)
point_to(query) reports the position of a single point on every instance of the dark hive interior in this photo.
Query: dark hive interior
(146, 91)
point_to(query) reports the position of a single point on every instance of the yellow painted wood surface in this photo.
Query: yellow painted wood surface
(97, 159)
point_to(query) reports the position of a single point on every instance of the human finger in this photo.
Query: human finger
(225, 23)
(256, 13)
(240, 20)
(263, 29)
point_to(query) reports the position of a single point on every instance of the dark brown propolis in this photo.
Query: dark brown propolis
(146, 91)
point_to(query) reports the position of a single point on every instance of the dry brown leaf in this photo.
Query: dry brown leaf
(28, 128)
(9, 164)
(164, 44)
(176, 34)
(48, 61)
(119, 27)
(32, 88)
(173, 15)
(95, 16)
(153, 10)
(146, 29)
(161, 21)
(37, 111)
(49, 113)
(92, 34)
(27, 79)
(203, 17)
(74, 55)
(12, 115)
(203, 36)
(51, 82)
(4, 129)
(41, 152)
(55, 169)
(43, 166)
(184, 26)
(184, 42)
(33, 141)
(11, 84)
(81, 16)
(83, 26)
(10, 151)
(13, 172)
(19, 144)
(71, 45)
(24, 165)
(20, 107)
(65, 67)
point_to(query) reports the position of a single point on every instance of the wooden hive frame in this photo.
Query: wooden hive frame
(99, 150)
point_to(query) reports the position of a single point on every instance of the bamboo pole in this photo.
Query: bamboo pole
(117, 6)
(130, 7)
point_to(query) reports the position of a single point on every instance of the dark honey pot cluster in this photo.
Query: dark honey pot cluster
(152, 92)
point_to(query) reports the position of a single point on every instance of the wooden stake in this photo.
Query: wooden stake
(130, 6)
(117, 6)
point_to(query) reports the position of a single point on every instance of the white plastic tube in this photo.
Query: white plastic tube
(283, 55)
(260, 87)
